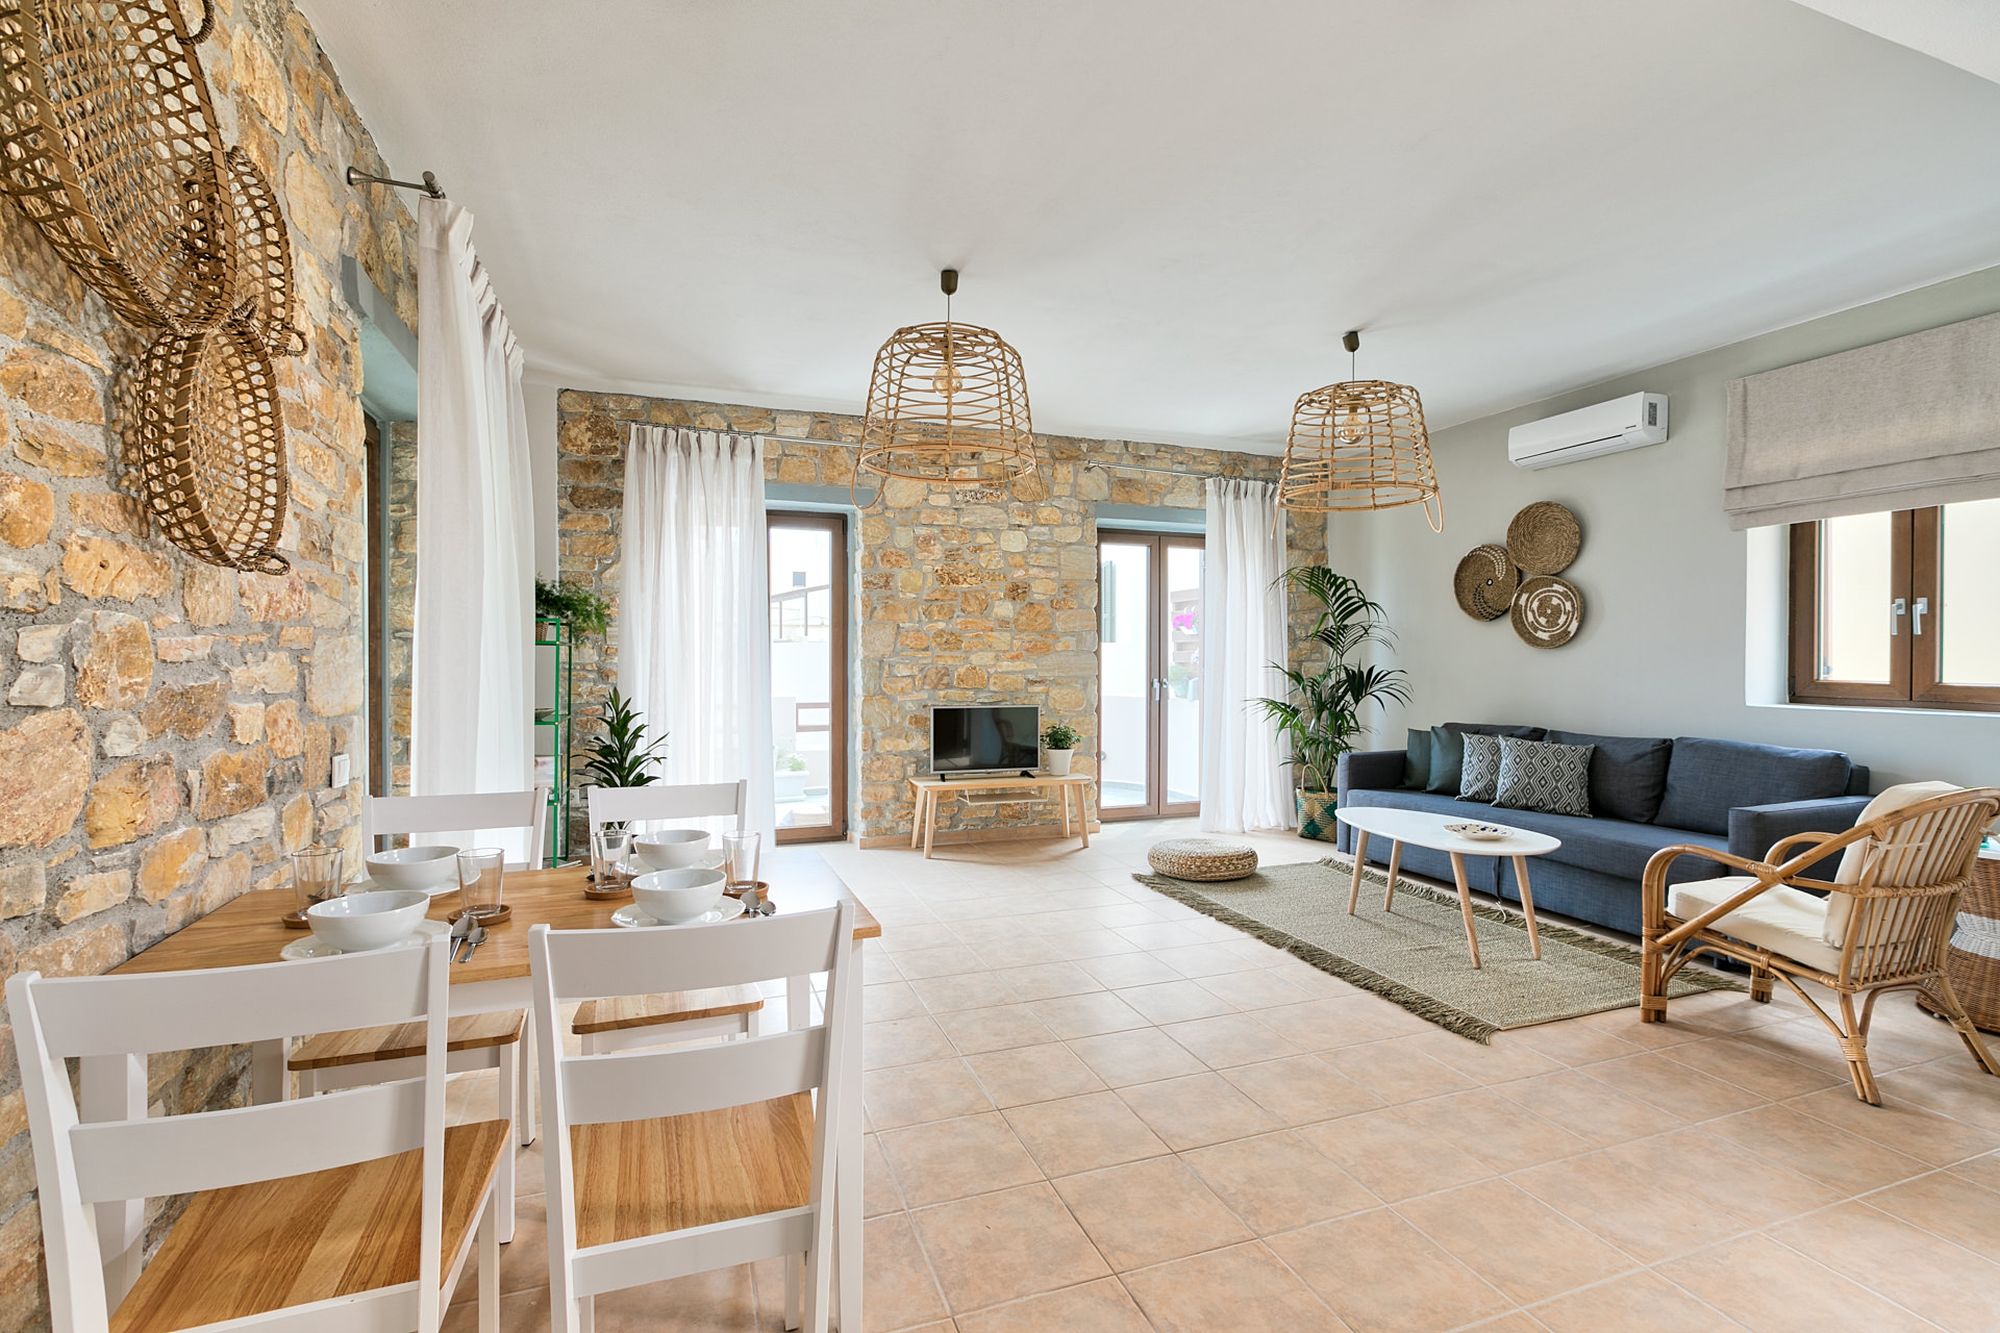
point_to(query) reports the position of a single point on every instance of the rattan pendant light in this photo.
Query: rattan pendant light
(1358, 445)
(948, 403)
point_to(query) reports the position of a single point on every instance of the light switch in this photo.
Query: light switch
(343, 770)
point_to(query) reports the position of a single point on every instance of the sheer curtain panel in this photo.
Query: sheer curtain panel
(1244, 784)
(472, 718)
(694, 615)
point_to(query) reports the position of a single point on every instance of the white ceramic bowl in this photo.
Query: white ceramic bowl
(671, 849)
(427, 868)
(363, 921)
(677, 895)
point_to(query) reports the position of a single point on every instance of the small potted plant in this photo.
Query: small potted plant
(573, 604)
(1060, 739)
(622, 756)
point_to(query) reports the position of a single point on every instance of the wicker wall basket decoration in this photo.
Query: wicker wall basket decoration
(108, 143)
(1544, 538)
(1484, 582)
(263, 258)
(212, 446)
(1548, 611)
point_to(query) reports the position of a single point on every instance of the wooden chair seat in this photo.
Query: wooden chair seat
(255, 1248)
(468, 1032)
(641, 1177)
(638, 1011)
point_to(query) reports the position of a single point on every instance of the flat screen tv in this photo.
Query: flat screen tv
(971, 739)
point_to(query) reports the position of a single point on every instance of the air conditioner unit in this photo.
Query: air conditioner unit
(1631, 422)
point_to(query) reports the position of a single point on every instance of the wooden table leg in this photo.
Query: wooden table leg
(930, 820)
(1360, 861)
(1065, 809)
(1082, 812)
(1465, 906)
(917, 817)
(1528, 904)
(1395, 868)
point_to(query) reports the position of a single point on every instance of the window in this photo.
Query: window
(1898, 609)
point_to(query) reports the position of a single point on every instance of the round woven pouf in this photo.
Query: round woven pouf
(1202, 859)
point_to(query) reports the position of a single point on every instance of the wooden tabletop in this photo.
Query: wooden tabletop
(1003, 781)
(248, 930)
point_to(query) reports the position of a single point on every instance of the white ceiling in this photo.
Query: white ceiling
(1174, 208)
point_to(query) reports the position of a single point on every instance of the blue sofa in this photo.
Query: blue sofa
(1730, 795)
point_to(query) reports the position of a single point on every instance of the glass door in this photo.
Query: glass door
(808, 572)
(1149, 685)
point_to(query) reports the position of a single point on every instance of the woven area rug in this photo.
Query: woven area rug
(1415, 955)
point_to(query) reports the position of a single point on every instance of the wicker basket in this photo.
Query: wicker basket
(1973, 962)
(1202, 859)
(1316, 817)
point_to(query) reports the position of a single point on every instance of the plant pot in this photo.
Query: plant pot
(1315, 811)
(1057, 763)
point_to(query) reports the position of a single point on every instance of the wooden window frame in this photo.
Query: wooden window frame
(1916, 575)
(835, 523)
(1156, 804)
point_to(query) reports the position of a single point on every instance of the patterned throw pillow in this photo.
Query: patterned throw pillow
(1541, 775)
(1479, 777)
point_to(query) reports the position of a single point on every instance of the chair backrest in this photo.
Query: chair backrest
(690, 800)
(574, 965)
(78, 1164)
(1918, 835)
(462, 817)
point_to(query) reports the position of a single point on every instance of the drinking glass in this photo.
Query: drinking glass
(481, 871)
(739, 860)
(316, 875)
(608, 850)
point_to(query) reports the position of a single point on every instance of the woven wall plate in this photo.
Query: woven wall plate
(111, 149)
(1484, 582)
(212, 446)
(1548, 611)
(263, 258)
(1544, 538)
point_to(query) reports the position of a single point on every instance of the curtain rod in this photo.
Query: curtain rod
(428, 184)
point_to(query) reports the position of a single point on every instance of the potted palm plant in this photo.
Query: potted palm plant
(1059, 738)
(1320, 715)
(622, 756)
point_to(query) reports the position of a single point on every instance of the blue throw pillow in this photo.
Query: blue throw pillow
(1448, 751)
(1416, 759)
(1628, 774)
(1706, 779)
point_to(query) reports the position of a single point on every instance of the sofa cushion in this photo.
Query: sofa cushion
(1448, 752)
(1479, 776)
(1417, 759)
(1708, 778)
(1628, 774)
(1538, 775)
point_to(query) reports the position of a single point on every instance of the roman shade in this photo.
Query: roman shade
(1901, 424)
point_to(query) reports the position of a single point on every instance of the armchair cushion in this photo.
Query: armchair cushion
(1786, 921)
(1852, 861)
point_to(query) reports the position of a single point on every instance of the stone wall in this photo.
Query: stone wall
(959, 595)
(167, 728)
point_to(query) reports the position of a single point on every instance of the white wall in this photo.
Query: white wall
(1667, 585)
(539, 397)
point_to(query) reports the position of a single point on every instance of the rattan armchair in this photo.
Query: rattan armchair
(1882, 923)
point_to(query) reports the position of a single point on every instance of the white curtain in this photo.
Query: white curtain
(694, 617)
(473, 643)
(1243, 782)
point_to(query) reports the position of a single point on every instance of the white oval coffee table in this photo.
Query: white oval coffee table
(1425, 829)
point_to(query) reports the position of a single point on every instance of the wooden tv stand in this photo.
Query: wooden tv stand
(929, 791)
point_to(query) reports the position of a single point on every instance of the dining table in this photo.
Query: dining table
(249, 929)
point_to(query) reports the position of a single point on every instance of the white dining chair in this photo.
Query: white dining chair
(642, 1020)
(327, 1061)
(369, 1183)
(679, 1160)
(481, 812)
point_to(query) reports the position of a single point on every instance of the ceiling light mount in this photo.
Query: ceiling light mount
(1359, 445)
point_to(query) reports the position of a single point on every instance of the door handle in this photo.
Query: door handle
(1157, 682)
(1896, 609)
(1917, 615)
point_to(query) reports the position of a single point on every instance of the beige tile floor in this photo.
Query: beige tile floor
(1091, 1108)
